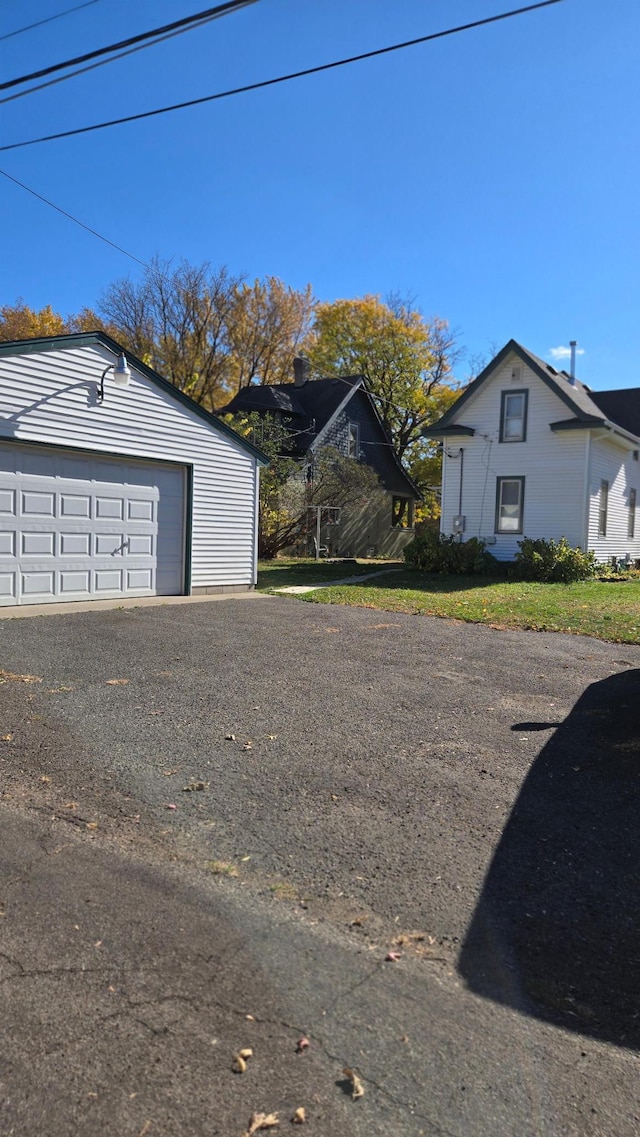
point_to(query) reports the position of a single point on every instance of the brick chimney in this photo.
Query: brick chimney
(300, 370)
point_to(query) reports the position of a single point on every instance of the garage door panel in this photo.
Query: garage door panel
(139, 579)
(33, 504)
(138, 510)
(75, 544)
(108, 580)
(75, 505)
(40, 585)
(8, 588)
(109, 544)
(7, 503)
(67, 533)
(109, 508)
(37, 544)
(75, 582)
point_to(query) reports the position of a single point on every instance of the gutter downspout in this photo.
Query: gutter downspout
(460, 493)
(587, 494)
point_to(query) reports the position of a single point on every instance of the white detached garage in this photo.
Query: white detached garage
(110, 490)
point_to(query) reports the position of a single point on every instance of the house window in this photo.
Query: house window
(353, 440)
(402, 513)
(509, 505)
(513, 416)
(631, 528)
(603, 505)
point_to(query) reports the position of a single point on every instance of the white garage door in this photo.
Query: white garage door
(81, 527)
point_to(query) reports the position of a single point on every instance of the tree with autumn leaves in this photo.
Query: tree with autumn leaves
(211, 333)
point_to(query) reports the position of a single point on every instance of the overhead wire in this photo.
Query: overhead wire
(280, 78)
(113, 58)
(48, 20)
(76, 220)
(197, 17)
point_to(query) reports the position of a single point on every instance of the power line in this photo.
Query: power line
(113, 58)
(48, 20)
(219, 10)
(280, 78)
(77, 221)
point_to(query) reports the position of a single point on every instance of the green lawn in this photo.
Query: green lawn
(608, 610)
(282, 572)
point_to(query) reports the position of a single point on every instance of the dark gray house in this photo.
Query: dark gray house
(341, 413)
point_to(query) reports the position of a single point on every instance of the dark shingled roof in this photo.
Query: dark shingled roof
(621, 407)
(311, 405)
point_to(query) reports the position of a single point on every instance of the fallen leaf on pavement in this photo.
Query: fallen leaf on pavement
(116, 682)
(171, 806)
(261, 1121)
(248, 745)
(302, 1044)
(357, 1088)
(92, 824)
(239, 1063)
(230, 737)
(392, 957)
(272, 737)
(170, 773)
(299, 1116)
(6, 738)
(70, 805)
(193, 787)
(5, 676)
(45, 778)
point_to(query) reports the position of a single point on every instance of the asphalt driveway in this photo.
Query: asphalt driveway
(216, 811)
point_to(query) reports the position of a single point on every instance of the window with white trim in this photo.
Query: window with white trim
(353, 440)
(513, 416)
(603, 506)
(509, 505)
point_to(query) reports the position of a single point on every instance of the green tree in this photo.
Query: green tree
(407, 362)
(290, 486)
(175, 320)
(20, 322)
(267, 322)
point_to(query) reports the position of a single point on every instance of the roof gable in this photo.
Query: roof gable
(85, 339)
(318, 402)
(575, 396)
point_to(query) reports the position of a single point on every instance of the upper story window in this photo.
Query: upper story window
(353, 440)
(513, 416)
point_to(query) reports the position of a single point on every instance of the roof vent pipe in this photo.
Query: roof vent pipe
(300, 370)
(572, 374)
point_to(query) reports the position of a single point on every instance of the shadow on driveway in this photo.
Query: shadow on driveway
(556, 932)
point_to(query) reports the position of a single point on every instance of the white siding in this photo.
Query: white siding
(50, 396)
(614, 464)
(552, 464)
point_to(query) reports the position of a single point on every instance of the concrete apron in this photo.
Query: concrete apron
(23, 610)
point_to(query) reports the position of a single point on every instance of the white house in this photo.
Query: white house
(529, 451)
(114, 483)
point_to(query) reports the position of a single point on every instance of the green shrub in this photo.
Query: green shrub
(433, 552)
(552, 561)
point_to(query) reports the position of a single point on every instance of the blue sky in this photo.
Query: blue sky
(493, 175)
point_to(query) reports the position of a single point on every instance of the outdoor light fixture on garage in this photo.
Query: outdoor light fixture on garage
(121, 375)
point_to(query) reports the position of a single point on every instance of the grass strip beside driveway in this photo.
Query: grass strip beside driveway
(607, 610)
(283, 572)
